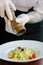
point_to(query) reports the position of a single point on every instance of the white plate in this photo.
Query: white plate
(5, 48)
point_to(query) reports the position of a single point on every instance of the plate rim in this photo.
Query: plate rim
(21, 40)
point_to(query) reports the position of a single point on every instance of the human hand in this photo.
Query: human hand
(6, 6)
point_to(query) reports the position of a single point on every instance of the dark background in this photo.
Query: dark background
(34, 31)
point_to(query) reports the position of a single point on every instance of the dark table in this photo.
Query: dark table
(34, 32)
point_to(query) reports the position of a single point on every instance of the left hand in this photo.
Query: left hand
(6, 6)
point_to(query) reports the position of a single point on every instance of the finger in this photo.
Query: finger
(8, 11)
(12, 6)
(8, 27)
(1, 10)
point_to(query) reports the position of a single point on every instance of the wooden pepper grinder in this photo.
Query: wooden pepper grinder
(19, 27)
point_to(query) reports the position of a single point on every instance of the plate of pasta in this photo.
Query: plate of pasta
(21, 51)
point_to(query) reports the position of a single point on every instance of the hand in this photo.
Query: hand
(6, 6)
(31, 17)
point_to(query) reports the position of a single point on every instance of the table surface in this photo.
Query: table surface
(34, 32)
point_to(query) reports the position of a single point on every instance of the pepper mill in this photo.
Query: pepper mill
(19, 27)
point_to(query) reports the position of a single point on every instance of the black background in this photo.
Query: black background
(34, 31)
